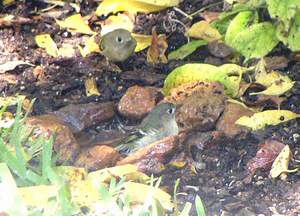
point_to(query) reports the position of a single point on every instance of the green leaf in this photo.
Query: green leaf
(237, 25)
(186, 49)
(235, 10)
(222, 23)
(252, 41)
(283, 10)
(199, 206)
(294, 35)
(256, 41)
(229, 75)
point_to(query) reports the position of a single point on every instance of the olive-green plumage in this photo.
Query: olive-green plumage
(158, 124)
(117, 45)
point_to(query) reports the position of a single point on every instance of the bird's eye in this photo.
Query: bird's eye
(119, 39)
(170, 110)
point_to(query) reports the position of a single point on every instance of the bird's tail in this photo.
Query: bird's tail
(126, 148)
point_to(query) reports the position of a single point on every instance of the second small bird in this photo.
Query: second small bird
(117, 45)
(159, 123)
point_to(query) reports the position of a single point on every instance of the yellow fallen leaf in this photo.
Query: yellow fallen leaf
(143, 41)
(84, 193)
(276, 83)
(140, 193)
(10, 65)
(75, 23)
(91, 87)
(71, 174)
(7, 2)
(268, 117)
(62, 3)
(121, 20)
(67, 50)
(38, 196)
(132, 6)
(11, 100)
(164, 3)
(90, 46)
(7, 18)
(158, 47)
(129, 171)
(276, 89)
(203, 30)
(45, 41)
(281, 164)
(177, 164)
(11, 201)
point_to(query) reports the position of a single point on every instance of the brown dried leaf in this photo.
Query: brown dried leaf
(91, 87)
(11, 20)
(157, 49)
(39, 72)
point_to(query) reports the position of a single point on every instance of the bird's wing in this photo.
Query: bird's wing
(133, 141)
(126, 148)
(128, 144)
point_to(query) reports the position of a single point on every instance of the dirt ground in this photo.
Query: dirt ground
(219, 181)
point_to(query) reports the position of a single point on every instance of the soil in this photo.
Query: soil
(219, 181)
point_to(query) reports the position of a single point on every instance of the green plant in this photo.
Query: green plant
(31, 160)
(255, 27)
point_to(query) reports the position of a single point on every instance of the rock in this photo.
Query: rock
(276, 62)
(214, 61)
(153, 157)
(97, 157)
(109, 138)
(202, 140)
(138, 101)
(231, 114)
(219, 49)
(202, 108)
(65, 145)
(81, 116)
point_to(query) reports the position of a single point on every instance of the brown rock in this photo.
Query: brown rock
(109, 138)
(65, 145)
(97, 157)
(276, 62)
(232, 113)
(81, 116)
(138, 101)
(202, 140)
(202, 108)
(219, 49)
(152, 157)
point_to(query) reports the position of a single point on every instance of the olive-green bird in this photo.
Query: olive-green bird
(158, 124)
(117, 45)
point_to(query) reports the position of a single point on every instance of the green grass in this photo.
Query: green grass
(19, 150)
(31, 162)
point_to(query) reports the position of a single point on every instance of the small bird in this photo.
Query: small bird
(158, 124)
(117, 45)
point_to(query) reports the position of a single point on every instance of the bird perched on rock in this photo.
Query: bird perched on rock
(117, 45)
(158, 124)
